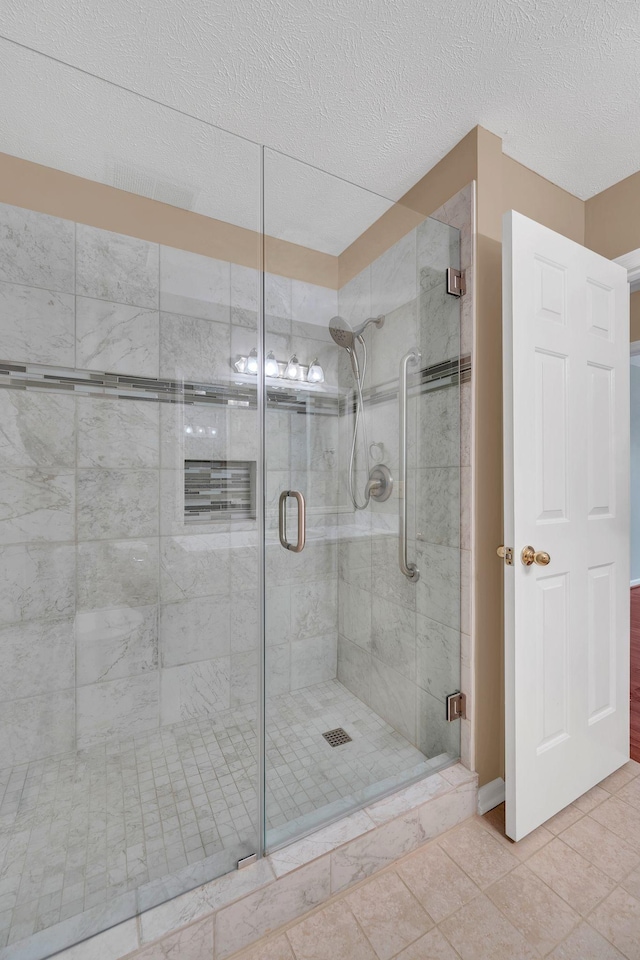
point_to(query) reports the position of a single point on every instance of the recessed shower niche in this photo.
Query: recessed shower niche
(219, 490)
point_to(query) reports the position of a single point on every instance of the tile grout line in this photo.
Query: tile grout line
(581, 918)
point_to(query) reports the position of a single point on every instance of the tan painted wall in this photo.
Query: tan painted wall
(537, 198)
(612, 228)
(26, 184)
(444, 180)
(635, 317)
(612, 219)
(487, 378)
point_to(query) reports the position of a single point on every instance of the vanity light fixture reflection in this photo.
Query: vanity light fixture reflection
(292, 371)
(201, 431)
(315, 373)
(252, 361)
(271, 365)
(276, 369)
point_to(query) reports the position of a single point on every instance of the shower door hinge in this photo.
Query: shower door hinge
(456, 706)
(247, 861)
(456, 284)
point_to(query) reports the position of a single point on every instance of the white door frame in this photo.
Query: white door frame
(631, 261)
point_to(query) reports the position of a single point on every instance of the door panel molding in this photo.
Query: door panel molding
(566, 469)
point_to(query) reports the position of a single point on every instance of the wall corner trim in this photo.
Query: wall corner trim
(631, 262)
(491, 795)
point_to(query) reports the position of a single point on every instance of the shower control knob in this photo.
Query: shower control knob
(380, 483)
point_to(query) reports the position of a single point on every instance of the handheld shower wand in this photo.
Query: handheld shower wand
(346, 338)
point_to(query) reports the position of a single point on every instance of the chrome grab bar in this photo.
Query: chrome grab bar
(282, 520)
(410, 570)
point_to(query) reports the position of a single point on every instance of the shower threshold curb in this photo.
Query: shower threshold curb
(233, 911)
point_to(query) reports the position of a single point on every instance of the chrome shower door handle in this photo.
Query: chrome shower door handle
(410, 570)
(282, 520)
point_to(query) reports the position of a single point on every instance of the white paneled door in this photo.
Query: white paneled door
(566, 456)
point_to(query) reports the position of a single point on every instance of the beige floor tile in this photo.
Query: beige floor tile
(330, 934)
(563, 819)
(621, 818)
(622, 776)
(478, 931)
(602, 848)
(590, 799)
(531, 906)
(438, 883)
(576, 880)
(630, 793)
(585, 943)
(432, 946)
(618, 919)
(632, 884)
(389, 914)
(479, 854)
(275, 949)
(495, 824)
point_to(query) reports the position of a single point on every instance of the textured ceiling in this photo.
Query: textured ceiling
(55, 115)
(374, 91)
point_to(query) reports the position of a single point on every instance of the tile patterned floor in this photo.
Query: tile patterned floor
(568, 891)
(79, 830)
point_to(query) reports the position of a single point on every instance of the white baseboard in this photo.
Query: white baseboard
(490, 796)
(635, 583)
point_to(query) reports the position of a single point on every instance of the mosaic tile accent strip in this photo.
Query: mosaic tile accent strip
(39, 377)
(239, 393)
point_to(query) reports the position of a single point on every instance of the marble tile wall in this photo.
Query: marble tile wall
(399, 646)
(115, 615)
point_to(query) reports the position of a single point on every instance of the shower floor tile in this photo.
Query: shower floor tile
(81, 829)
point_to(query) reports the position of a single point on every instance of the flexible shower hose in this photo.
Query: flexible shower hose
(359, 412)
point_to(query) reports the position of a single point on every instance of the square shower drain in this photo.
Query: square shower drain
(335, 737)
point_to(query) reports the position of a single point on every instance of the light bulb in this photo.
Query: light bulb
(188, 429)
(293, 370)
(271, 365)
(252, 362)
(316, 373)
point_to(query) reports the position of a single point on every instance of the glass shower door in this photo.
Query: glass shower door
(129, 614)
(359, 656)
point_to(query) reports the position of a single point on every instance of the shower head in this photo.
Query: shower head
(341, 333)
(344, 335)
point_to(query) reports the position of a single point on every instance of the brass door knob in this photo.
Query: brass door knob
(529, 556)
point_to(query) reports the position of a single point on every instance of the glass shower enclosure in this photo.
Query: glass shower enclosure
(229, 536)
(362, 461)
